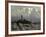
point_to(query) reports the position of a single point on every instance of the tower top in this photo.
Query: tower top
(22, 17)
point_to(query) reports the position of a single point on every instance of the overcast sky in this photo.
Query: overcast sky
(29, 13)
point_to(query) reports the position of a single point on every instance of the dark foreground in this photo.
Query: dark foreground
(22, 27)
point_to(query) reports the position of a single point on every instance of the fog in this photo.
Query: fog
(31, 13)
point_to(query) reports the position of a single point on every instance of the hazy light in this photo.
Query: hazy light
(31, 9)
(36, 10)
(24, 9)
